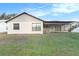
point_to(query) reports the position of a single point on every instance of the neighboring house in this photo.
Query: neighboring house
(25, 23)
(3, 26)
(75, 30)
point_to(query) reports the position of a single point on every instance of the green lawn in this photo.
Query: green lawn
(53, 44)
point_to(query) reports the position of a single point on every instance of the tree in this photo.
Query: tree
(6, 16)
(2, 16)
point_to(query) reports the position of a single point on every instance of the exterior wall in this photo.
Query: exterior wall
(25, 22)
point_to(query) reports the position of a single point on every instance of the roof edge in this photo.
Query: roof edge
(26, 14)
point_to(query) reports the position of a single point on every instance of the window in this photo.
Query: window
(36, 27)
(16, 26)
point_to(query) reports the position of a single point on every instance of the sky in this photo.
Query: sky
(44, 11)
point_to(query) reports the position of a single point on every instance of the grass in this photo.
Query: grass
(53, 44)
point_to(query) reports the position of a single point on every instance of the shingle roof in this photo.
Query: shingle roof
(40, 19)
(58, 21)
(22, 14)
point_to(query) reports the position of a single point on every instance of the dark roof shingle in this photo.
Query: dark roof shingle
(26, 14)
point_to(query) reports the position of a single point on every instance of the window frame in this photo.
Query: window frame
(15, 26)
(36, 28)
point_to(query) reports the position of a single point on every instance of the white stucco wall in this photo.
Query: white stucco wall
(25, 22)
(3, 26)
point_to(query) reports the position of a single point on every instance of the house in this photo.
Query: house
(2, 26)
(25, 23)
(75, 30)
